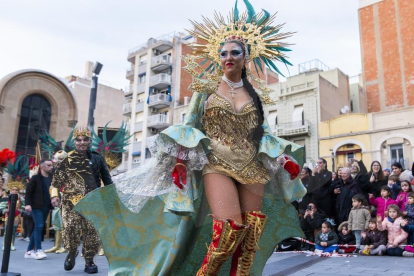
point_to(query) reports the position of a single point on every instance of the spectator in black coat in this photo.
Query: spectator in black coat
(308, 198)
(347, 189)
(311, 222)
(376, 179)
(360, 176)
(320, 185)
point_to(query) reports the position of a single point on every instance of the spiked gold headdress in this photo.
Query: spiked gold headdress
(261, 40)
(81, 131)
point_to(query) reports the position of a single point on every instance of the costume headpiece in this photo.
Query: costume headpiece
(110, 149)
(19, 171)
(254, 31)
(81, 131)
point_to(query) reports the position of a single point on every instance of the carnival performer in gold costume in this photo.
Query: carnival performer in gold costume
(223, 158)
(77, 175)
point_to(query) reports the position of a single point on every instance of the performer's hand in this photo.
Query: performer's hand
(179, 173)
(28, 208)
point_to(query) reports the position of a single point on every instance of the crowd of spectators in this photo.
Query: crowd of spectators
(366, 211)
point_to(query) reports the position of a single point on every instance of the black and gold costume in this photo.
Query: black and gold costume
(76, 176)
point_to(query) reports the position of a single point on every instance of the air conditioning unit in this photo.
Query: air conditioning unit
(153, 110)
(157, 52)
(153, 130)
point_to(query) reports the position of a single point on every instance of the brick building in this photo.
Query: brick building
(387, 40)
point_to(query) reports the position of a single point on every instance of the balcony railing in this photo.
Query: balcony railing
(158, 121)
(130, 72)
(292, 129)
(159, 101)
(129, 89)
(160, 81)
(166, 38)
(161, 62)
(403, 161)
(126, 109)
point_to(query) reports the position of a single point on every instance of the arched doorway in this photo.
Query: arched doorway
(35, 116)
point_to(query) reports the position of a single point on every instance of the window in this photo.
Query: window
(183, 115)
(298, 116)
(142, 59)
(142, 78)
(35, 117)
(138, 136)
(350, 155)
(397, 154)
(272, 119)
(137, 160)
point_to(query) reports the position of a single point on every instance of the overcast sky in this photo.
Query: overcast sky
(60, 36)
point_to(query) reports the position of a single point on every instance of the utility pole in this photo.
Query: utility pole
(94, 90)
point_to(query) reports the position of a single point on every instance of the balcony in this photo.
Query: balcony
(161, 43)
(161, 62)
(129, 89)
(139, 107)
(158, 121)
(130, 73)
(126, 109)
(159, 101)
(160, 81)
(292, 129)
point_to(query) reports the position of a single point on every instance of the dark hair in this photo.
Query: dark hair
(411, 194)
(374, 221)
(259, 131)
(380, 176)
(410, 188)
(41, 163)
(386, 188)
(328, 224)
(398, 165)
(344, 225)
(308, 171)
(360, 198)
(323, 160)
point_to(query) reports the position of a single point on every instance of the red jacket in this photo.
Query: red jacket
(382, 204)
(401, 203)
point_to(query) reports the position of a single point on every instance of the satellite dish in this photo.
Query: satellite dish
(346, 108)
(343, 111)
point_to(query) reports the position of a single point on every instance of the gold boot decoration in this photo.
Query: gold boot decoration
(227, 234)
(243, 257)
(58, 242)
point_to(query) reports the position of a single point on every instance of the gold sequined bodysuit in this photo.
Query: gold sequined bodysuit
(233, 152)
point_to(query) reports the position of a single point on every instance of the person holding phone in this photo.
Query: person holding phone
(311, 222)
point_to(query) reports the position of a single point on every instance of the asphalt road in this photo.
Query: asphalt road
(280, 264)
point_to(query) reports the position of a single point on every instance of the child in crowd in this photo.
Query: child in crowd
(396, 235)
(15, 190)
(394, 184)
(409, 249)
(402, 197)
(382, 203)
(375, 240)
(326, 239)
(409, 208)
(346, 237)
(358, 218)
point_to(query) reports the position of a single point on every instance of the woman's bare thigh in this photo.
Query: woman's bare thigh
(222, 196)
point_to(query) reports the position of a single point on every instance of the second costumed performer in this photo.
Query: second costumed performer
(77, 175)
(222, 160)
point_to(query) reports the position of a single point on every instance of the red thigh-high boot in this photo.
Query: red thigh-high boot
(243, 257)
(227, 235)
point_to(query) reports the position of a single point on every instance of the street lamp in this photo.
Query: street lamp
(94, 89)
(333, 159)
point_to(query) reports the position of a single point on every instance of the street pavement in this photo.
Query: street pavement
(280, 264)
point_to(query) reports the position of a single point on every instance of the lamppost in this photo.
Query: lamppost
(94, 89)
(333, 159)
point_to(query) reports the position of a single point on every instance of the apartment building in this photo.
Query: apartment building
(316, 94)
